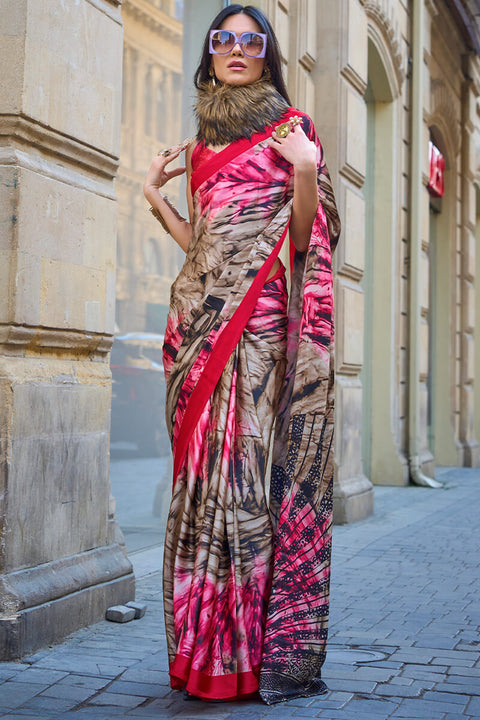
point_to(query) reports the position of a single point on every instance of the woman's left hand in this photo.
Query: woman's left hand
(295, 147)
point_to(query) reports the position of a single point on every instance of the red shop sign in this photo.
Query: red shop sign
(436, 182)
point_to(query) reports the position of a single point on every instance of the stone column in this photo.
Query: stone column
(471, 90)
(340, 78)
(62, 561)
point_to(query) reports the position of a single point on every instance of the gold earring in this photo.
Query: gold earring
(211, 72)
(266, 75)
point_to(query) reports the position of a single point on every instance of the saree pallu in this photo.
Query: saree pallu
(246, 579)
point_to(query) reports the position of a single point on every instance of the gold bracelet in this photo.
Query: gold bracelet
(158, 215)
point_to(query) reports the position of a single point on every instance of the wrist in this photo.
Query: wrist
(305, 166)
(153, 193)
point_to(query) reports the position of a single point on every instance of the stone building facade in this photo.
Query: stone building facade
(381, 78)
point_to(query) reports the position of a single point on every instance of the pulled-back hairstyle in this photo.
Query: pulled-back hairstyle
(272, 57)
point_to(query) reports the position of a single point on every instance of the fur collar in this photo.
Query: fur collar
(226, 113)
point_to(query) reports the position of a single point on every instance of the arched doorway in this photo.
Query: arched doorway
(381, 283)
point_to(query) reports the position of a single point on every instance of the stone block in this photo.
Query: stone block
(8, 207)
(118, 700)
(72, 294)
(120, 614)
(305, 91)
(14, 695)
(11, 62)
(56, 418)
(80, 90)
(353, 500)
(52, 600)
(423, 349)
(468, 305)
(282, 27)
(63, 255)
(356, 46)
(424, 282)
(5, 274)
(355, 148)
(99, 223)
(470, 252)
(350, 327)
(48, 210)
(140, 609)
(351, 250)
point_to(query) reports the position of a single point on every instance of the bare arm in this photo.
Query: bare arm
(302, 153)
(188, 162)
(157, 176)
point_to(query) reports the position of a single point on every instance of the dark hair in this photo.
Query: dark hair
(273, 56)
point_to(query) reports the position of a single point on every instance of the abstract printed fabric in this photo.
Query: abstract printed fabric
(247, 567)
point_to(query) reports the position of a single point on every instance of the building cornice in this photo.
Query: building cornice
(23, 132)
(155, 20)
(22, 340)
(111, 8)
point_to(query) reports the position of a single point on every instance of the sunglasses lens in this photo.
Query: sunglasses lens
(223, 41)
(252, 44)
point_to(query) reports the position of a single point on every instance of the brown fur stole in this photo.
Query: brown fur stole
(226, 113)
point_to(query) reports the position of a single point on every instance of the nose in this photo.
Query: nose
(237, 48)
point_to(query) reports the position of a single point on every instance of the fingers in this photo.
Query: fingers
(173, 154)
(166, 156)
(174, 173)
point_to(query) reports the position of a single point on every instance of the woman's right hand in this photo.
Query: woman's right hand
(158, 175)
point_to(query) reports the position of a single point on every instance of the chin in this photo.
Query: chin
(240, 80)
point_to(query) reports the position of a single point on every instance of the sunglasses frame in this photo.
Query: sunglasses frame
(238, 41)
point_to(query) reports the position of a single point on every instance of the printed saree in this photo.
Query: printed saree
(247, 559)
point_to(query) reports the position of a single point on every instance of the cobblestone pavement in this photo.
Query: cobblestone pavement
(404, 639)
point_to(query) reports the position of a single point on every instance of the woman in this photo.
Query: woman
(246, 579)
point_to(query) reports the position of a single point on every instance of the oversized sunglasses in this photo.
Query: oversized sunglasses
(253, 44)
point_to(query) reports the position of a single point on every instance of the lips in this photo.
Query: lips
(236, 64)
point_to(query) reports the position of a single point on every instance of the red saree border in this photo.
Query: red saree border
(212, 687)
(223, 348)
(232, 151)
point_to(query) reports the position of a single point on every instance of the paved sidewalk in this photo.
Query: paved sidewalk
(404, 639)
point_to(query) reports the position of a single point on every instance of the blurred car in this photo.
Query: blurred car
(138, 393)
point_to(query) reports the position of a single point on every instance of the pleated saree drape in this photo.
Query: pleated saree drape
(246, 579)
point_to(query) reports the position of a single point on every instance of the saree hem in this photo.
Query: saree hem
(212, 687)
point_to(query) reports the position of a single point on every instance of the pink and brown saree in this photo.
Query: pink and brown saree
(247, 560)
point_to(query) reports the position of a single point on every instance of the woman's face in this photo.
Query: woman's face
(236, 68)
